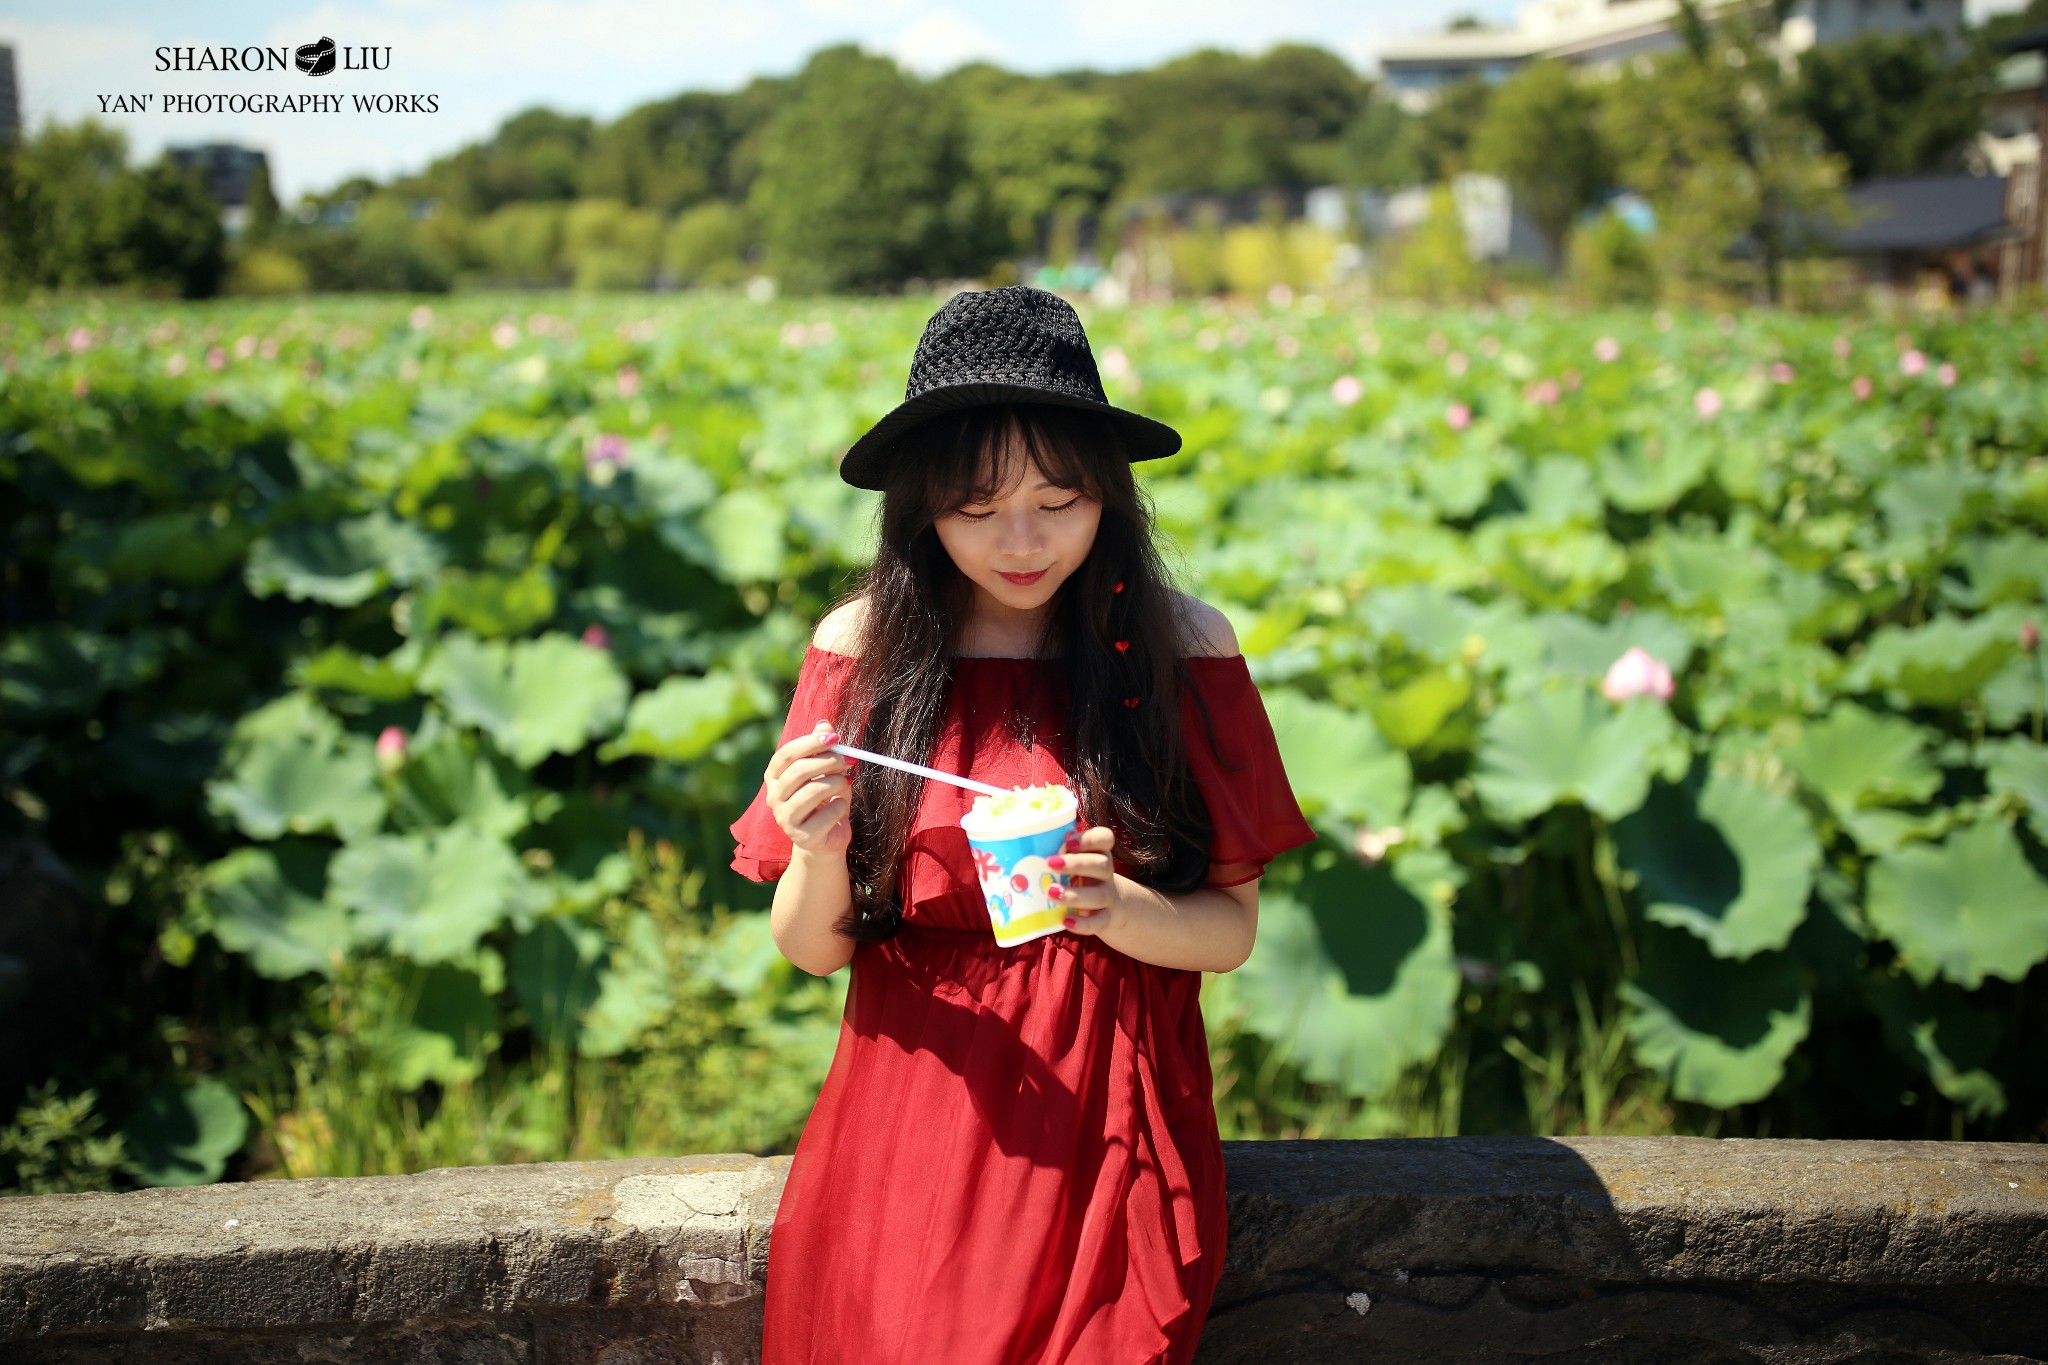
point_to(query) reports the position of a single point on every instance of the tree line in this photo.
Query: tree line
(851, 174)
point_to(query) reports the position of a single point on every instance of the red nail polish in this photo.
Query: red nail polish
(1053, 893)
(1056, 861)
(1069, 921)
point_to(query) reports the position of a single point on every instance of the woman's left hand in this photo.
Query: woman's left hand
(1094, 896)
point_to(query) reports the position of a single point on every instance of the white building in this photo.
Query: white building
(1598, 33)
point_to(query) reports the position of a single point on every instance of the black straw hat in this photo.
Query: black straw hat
(1016, 344)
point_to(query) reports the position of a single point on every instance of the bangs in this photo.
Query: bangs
(977, 456)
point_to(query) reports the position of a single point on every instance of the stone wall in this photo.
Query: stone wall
(1667, 1250)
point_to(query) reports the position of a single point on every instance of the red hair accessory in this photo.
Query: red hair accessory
(1122, 645)
(1130, 701)
(1118, 588)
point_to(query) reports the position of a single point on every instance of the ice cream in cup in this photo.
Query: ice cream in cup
(1012, 835)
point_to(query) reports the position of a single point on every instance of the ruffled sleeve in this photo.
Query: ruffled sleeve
(762, 850)
(1235, 761)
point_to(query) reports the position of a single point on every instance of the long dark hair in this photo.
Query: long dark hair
(1125, 762)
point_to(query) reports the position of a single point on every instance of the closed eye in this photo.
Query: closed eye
(984, 516)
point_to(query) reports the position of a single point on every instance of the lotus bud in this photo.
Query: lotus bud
(629, 381)
(1373, 844)
(1459, 416)
(1637, 673)
(1946, 374)
(1346, 390)
(1860, 386)
(597, 637)
(1707, 403)
(1607, 349)
(390, 750)
(1913, 363)
(2030, 636)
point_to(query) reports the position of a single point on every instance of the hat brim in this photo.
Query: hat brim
(867, 459)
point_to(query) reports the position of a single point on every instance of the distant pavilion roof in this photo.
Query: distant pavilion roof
(1922, 213)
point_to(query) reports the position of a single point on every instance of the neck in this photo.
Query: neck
(997, 628)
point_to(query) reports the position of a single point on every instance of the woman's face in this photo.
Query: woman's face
(1031, 525)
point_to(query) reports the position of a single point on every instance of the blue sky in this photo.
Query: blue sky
(484, 60)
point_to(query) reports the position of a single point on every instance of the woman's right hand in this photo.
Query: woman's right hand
(809, 793)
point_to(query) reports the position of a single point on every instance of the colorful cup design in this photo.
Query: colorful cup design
(1014, 877)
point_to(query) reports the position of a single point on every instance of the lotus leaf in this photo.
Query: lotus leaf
(1938, 1031)
(447, 1026)
(1965, 909)
(534, 697)
(1719, 1029)
(184, 1135)
(633, 991)
(1945, 662)
(1340, 767)
(451, 778)
(341, 563)
(683, 717)
(1353, 976)
(430, 897)
(1722, 858)
(267, 903)
(1854, 757)
(1570, 744)
(291, 767)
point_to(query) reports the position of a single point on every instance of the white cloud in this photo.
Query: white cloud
(943, 39)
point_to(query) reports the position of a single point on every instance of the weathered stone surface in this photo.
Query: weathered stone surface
(1672, 1250)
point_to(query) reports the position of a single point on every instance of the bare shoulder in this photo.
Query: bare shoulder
(1206, 629)
(839, 631)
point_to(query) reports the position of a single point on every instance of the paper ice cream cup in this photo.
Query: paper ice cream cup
(1010, 847)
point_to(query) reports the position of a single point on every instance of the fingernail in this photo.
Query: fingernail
(832, 738)
(1054, 893)
(1056, 860)
(1069, 921)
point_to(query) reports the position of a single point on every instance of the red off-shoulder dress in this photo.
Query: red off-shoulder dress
(1013, 1159)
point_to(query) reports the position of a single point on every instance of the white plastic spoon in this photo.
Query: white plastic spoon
(957, 781)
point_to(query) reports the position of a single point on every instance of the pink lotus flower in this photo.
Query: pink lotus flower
(81, 339)
(1606, 349)
(1543, 393)
(1841, 346)
(215, 358)
(596, 636)
(506, 335)
(606, 448)
(1913, 363)
(391, 749)
(1860, 386)
(1946, 374)
(1459, 416)
(629, 381)
(1346, 390)
(2030, 636)
(1781, 373)
(1707, 403)
(1637, 673)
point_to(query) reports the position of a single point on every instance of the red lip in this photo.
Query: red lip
(1022, 579)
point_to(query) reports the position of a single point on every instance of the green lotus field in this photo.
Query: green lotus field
(1666, 689)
